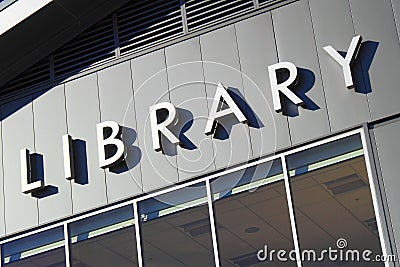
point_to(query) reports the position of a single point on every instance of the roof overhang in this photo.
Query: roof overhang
(17, 11)
(31, 30)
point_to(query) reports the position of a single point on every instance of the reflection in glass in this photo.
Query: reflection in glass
(43, 249)
(175, 229)
(251, 211)
(107, 239)
(332, 201)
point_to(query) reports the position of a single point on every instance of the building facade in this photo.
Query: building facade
(204, 133)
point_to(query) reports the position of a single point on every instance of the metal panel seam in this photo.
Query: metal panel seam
(169, 98)
(2, 174)
(205, 91)
(362, 74)
(277, 56)
(382, 188)
(395, 21)
(319, 65)
(66, 124)
(98, 101)
(244, 91)
(134, 110)
(34, 148)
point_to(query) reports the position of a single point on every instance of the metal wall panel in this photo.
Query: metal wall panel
(256, 43)
(2, 201)
(396, 13)
(346, 107)
(116, 104)
(388, 148)
(21, 209)
(82, 101)
(221, 64)
(187, 91)
(151, 87)
(50, 125)
(296, 44)
(374, 20)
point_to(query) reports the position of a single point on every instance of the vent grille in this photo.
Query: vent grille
(35, 75)
(204, 13)
(137, 26)
(246, 260)
(268, 2)
(345, 184)
(91, 48)
(199, 227)
(142, 24)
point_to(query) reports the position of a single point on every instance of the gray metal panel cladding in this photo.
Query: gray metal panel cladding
(374, 20)
(268, 129)
(17, 122)
(388, 148)
(188, 94)
(50, 125)
(125, 179)
(295, 43)
(329, 30)
(2, 197)
(82, 102)
(221, 64)
(396, 13)
(151, 87)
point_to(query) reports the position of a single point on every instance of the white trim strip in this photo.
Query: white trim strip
(212, 223)
(378, 217)
(137, 232)
(66, 246)
(291, 211)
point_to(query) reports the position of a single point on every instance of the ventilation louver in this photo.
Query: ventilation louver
(204, 13)
(269, 2)
(198, 227)
(91, 48)
(136, 26)
(37, 74)
(345, 184)
(142, 24)
(246, 260)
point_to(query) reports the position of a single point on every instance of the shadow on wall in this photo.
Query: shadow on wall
(306, 81)
(223, 129)
(362, 64)
(37, 162)
(133, 153)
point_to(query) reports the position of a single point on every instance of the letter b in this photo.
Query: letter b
(112, 140)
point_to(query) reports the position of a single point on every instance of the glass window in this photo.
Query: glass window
(107, 239)
(42, 249)
(176, 229)
(332, 201)
(251, 212)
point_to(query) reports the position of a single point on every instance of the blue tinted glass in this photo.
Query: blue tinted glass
(42, 249)
(102, 220)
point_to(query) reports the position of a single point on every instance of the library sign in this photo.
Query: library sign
(112, 141)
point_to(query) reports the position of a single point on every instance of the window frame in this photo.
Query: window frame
(373, 185)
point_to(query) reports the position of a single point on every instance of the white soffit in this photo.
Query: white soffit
(19, 11)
